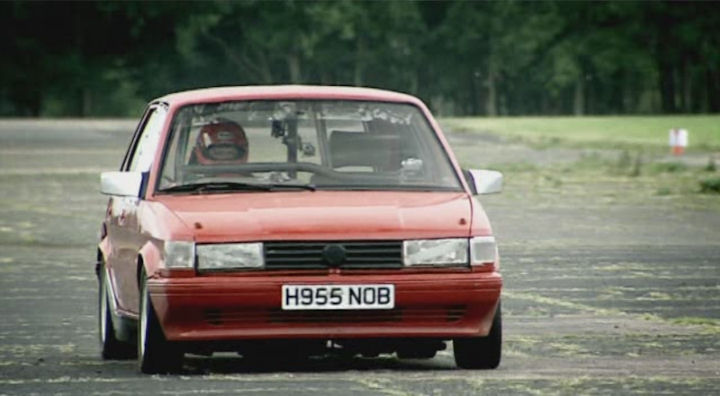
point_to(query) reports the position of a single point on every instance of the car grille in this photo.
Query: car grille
(309, 255)
(418, 315)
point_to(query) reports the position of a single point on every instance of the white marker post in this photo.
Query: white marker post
(678, 141)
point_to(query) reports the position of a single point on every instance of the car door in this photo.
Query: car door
(122, 222)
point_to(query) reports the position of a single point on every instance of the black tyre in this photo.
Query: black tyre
(155, 353)
(110, 346)
(480, 352)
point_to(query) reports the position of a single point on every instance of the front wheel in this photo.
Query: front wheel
(155, 353)
(480, 352)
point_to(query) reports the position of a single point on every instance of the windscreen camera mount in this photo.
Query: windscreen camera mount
(307, 149)
(278, 128)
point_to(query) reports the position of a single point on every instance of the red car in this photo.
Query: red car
(295, 220)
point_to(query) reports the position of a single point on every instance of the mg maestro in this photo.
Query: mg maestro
(297, 219)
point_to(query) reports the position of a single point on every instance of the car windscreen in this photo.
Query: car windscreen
(318, 144)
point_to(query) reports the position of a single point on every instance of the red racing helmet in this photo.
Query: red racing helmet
(222, 142)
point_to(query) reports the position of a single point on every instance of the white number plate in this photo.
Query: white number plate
(296, 297)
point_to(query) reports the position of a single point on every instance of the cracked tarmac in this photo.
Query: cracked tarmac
(600, 297)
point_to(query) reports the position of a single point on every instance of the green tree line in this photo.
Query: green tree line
(461, 57)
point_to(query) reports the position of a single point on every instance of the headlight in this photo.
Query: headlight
(224, 256)
(483, 250)
(179, 254)
(436, 252)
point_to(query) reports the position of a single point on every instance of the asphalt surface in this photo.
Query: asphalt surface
(602, 295)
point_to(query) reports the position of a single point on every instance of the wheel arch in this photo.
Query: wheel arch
(103, 251)
(123, 326)
(150, 259)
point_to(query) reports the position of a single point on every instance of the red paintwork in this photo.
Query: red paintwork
(137, 228)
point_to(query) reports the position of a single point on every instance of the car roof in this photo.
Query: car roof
(260, 92)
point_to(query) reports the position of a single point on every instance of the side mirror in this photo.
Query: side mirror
(124, 184)
(484, 181)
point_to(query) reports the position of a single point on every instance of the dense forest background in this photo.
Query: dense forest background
(461, 57)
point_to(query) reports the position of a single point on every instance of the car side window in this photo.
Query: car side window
(143, 155)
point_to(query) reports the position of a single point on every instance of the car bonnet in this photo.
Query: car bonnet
(322, 215)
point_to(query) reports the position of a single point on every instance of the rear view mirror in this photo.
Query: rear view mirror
(124, 184)
(484, 181)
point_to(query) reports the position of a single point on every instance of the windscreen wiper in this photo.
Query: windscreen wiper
(211, 187)
(200, 188)
(283, 186)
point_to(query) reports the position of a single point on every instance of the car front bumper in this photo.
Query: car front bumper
(234, 308)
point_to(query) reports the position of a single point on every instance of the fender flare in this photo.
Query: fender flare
(123, 326)
(103, 251)
(149, 258)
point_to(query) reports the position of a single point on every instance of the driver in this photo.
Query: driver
(221, 142)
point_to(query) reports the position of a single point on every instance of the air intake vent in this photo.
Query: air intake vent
(408, 315)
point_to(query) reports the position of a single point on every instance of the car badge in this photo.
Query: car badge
(225, 135)
(334, 254)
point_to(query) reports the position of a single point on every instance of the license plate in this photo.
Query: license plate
(297, 297)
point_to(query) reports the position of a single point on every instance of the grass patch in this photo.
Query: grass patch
(711, 165)
(710, 185)
(638, 170)
(668, 167)
(631, 132)
(514, 167)
(691, 320)
(626, 178)
(663, 191)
